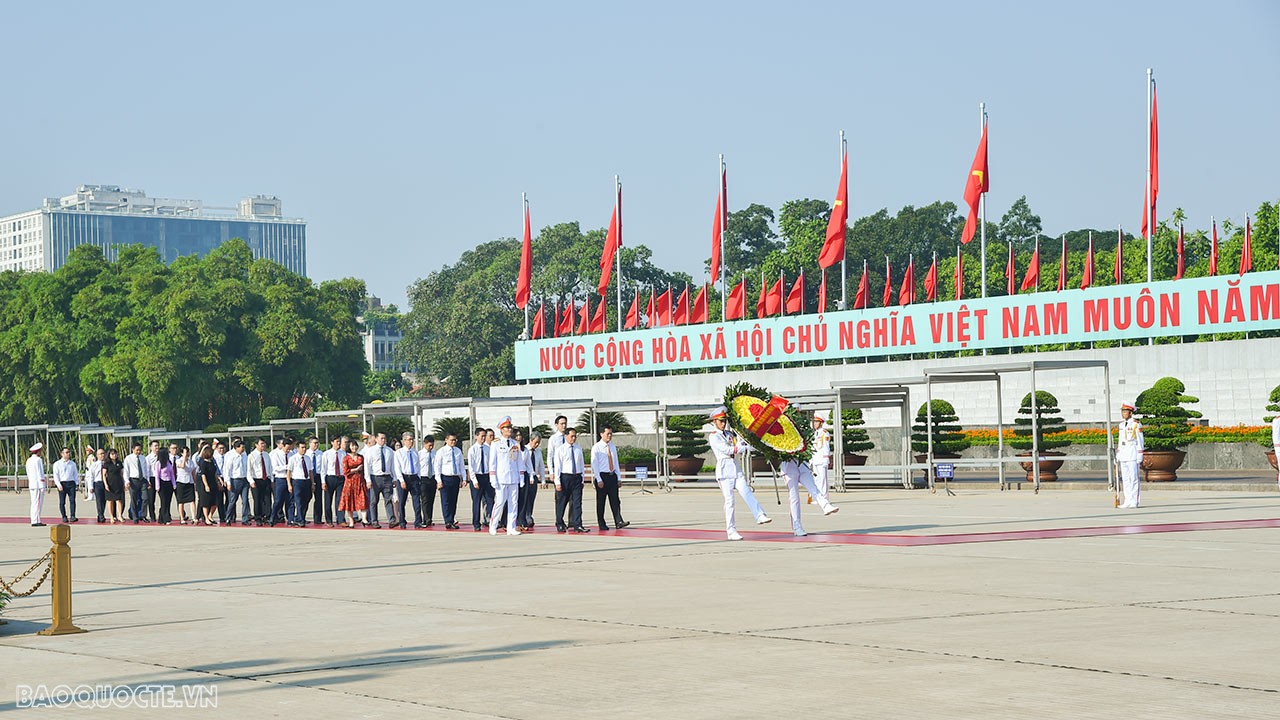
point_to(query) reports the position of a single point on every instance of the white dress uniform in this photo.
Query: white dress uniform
(508, 464)
(821, 462)
(797, 474)
(1129, 456)
(726, 445)
(35, 485)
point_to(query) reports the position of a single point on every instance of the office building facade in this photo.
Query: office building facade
(111, 217)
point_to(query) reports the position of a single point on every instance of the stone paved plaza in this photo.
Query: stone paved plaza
(678, 625)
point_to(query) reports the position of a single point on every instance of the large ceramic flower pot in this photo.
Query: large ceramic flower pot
(1271, 458)
(852, 460)
(1048, 468)
(759, 464)
(1162, 465)
(684, 466)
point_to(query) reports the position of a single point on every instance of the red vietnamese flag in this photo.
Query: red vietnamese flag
(680, 315)
(699, 312)
(664, 307)
(931, 281)
(907, 293)
(1086, 277)
(1213, 251)
(1031, 281)
(978, 182)
(958, 279)
(1182, 258)
(537, 331)
(888, 284)
(764, 296)
(650, 319)
(612, 241)
(1153, 171)
(822, 293)
(566, 322)
(584, 315)
(633, 314)
(1246, 250)
(862, 298)
(1010, 271)
(833, 248)
(736, 305)
(526, 264)
(717, 229)
(597, 323)
(773, 302)
(1118, 272)
(795, 298)
(1062, 266)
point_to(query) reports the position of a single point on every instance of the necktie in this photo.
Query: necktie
(609, 451)
(262, 462)
(383, 456)
(413, 461)
(483, 466)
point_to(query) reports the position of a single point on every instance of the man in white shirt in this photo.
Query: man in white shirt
(529, 491)
(1129, 452)
(569, 484)
(137, 475)
(553, 446)
(314, 456)
(223, 490)
(480, 463)
(97, 485)
(66, 479)
(604, 465)
(235, 468)
(408, 477)
(298, 476)
(427, 473)
(36, 483)
(332, 480)
(260, 482)
(449, 473)
(508, 475)
(379, 467)
(149, 490)
(726, 444)
(278, 459)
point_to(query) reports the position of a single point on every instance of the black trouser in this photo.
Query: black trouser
(317, 495)
(224, 501)
(607, 488)
(100, 499)
(383, 487)
(528, 493)
(166, 498)
(449, 498)
(301, 499)
(482, 495)
(411, 491)
(569, 495)
(138, 502)
(428, 501)
(332, 496)
(66, 490)
(149, 497)
(263, 491)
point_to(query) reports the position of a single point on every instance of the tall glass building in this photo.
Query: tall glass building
(111, 217)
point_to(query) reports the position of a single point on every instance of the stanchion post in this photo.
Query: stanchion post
(61, 560)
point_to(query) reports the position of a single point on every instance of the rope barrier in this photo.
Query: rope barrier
(9, 587)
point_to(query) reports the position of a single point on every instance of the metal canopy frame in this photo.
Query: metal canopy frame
(668, 411)
(888, 393)
(638, 406)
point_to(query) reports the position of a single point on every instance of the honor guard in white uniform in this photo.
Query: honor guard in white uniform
(796, 474)
(35, 483)
(821, 462)
(1129, 455)
(508, 476)
(726, 444)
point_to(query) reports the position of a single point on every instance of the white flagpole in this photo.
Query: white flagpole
(982, 198)
(617, 192)
(524, 213)
(1151, 219)
(844, 300)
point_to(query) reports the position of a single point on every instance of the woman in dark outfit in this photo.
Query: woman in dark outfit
(113, 479)
(207, 484)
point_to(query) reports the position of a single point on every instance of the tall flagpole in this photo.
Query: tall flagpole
(617, 189)
(724, 230)
(844, 301)
(1151, 220)
(982, 230)
(524, 214)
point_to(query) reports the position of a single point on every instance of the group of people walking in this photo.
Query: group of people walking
(297, 484)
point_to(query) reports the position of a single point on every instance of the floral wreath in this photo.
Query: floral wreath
(768, 423)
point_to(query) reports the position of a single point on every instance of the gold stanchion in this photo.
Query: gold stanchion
(61, 563)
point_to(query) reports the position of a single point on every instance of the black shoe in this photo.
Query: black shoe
(38, 525)
(622, 524)
(581, 530)
(64, 521)
(562, 529)
(102, 520)
(75, 519)
(604, 528)
(430, 524)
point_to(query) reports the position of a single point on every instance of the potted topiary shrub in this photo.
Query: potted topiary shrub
(1047, 422)
(853, 436)
(1273, 406)
(948, 440)
(629, 457)
(1165, 428)
(685, 444)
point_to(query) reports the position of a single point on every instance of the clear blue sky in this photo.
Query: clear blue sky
(404, 132)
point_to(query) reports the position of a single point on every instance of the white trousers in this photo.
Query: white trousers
(820, 478)
(1129, 480)
(727, 486)
(37, 504)
(806, 478)
(505, 496)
